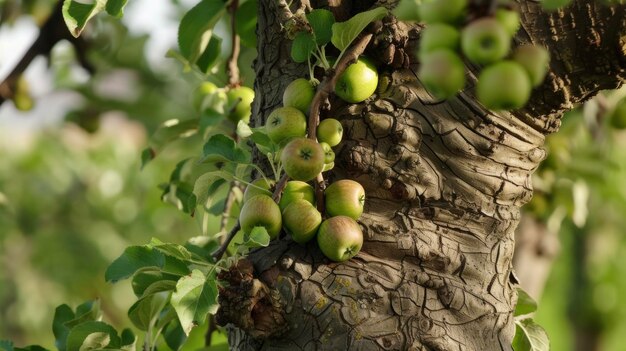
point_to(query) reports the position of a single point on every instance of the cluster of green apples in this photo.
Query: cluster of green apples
(338, 234)
(506, 79)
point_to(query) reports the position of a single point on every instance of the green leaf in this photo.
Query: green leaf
(62, 314)
(180, 194)
(302, 47)
(243, 129)
(147, 155)
(92, 335)
(85, 312)
(530, 336)
(525, 303)
(245, 23)
(263, 142)
(133, 259)
(167, 132)
(211, 54)
(115, 7)
(146, 310)
(321, 21)
(152, 280)
(220, 148)
(129, 340)
(171, 249)
(194, 298)
(196, 28)
(6, 345)
(174, 335)
(209, 183)
(344, 33)
(258, 237)
(76, 14)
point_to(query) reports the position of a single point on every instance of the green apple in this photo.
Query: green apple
(303, 159)
(485, 41)
(509, 19)
(330, 131)
(261, 211)
(340, 238)
(301, 220)
(535, 60)
(299, 94)
(503, 86)
(345, 198)
(407, 10)
(239, 100)
(328, 166)
(285, 123)
(357, 82)
(446, 11)
(296, 190)
(329, 155)
(552, 5)
(442, 72)
(439, 36)
(259, 186)
(618, 116)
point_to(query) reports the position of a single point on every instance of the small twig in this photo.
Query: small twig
(228, 205)
(217, 255)
(327, 87)
(280, 186)
(232, 66)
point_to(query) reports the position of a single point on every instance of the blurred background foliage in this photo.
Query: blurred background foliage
(73, 196)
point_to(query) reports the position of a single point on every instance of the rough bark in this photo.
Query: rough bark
(444, 183)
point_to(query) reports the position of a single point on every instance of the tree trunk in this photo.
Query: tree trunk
(444, 184)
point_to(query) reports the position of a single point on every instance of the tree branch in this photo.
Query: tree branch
(52, 31)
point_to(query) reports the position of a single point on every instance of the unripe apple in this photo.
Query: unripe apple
(447, 11)
(340, 238)
(442, 72)
(296, 190)
(509, 19)
(299, 94)
(503, 86)
(618, 116)
(241, 98)
(328, 166)
(261, 211)
(259, 186)
(285, 123)
(345, 198)
(303, 159)
(330, 131)
(357, 82)
(301, 220)
(407, 10)
(329, 155)
(535, 60)
(439, 36)
(485, 41)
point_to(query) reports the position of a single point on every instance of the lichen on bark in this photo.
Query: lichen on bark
(445, 182)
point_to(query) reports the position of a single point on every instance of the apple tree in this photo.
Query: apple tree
(434, 116)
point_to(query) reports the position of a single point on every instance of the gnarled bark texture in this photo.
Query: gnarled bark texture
(444, 182)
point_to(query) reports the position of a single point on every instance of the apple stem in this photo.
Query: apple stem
(232, 68)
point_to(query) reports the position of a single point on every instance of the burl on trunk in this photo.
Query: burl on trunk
(445, 181)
